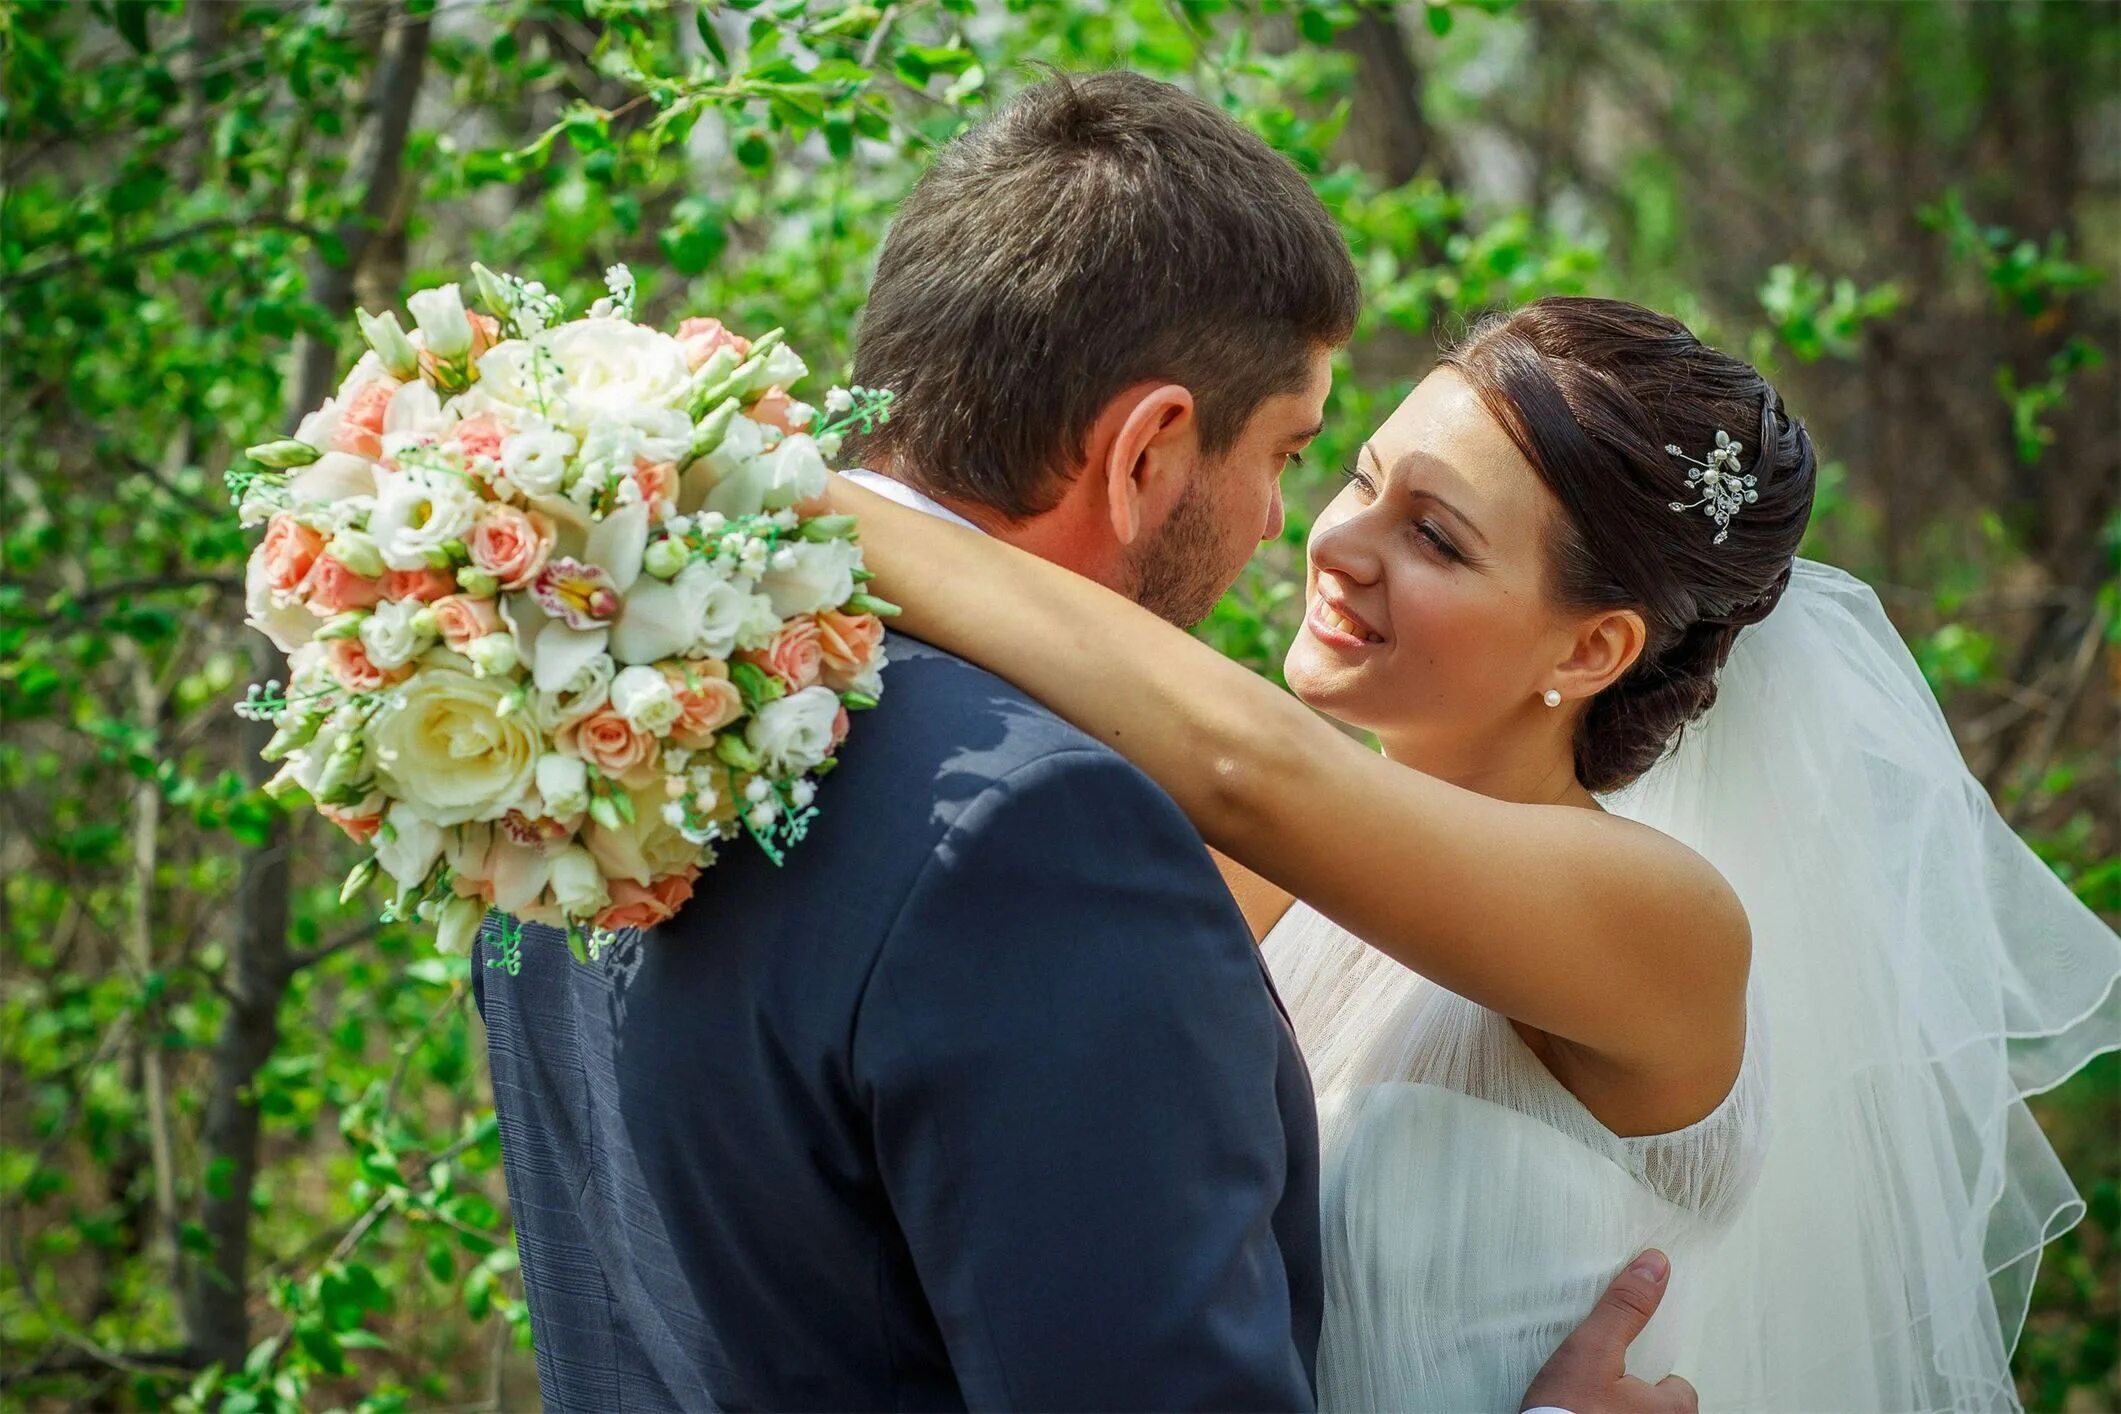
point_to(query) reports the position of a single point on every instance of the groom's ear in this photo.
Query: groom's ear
(1605, 646)
(1145, 445)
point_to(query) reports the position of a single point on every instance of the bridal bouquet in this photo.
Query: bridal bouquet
(560, 607)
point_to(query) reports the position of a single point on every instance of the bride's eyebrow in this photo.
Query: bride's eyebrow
(1401, 468)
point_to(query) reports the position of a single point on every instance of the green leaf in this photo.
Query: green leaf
(1315, 25)
(1440, 18)
(753, 151)
(703, 21)
(130, 16)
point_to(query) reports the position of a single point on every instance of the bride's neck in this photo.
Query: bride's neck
(1523, 772)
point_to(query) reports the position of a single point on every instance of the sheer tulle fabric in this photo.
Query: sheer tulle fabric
(1857, 1225)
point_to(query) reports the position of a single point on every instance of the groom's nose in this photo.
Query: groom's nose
(1277, 515)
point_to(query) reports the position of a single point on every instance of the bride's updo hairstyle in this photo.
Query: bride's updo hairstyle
(1592, 391)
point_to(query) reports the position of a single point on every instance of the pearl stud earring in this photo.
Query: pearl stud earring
(1553, 697)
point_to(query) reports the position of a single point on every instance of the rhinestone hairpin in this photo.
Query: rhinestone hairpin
(1723, 491)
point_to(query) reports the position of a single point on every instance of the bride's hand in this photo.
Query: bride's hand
(1587, 1373)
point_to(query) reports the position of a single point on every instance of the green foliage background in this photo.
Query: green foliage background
(246, 1155)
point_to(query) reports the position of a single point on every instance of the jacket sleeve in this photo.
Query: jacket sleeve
(1068, 1057)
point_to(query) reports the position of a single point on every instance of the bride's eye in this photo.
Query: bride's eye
(1438, 541)
(1360, 479)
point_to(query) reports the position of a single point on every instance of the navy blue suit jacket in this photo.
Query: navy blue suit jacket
(983, 1100)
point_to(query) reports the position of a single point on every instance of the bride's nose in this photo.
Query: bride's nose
(1346, 545)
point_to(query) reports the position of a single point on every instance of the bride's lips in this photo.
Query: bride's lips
(1332, 624)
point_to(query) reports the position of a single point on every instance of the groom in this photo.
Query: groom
(984, 1099)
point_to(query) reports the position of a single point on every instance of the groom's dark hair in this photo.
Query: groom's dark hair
(1100, 230)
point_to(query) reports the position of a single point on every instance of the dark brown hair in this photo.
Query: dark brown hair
(1100, 230)
(1592, 391)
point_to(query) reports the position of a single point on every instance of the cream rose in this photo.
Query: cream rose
(407, 845)
(399, 631)
(644, 850)
(792, 734)
(445, 746)
(609, 365)
(563, 784)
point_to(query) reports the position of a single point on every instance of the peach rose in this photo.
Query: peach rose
(772, 408)
(613, 745)
(461, 619)
(658, 482)
(636, 906)
(361, 421)
(359, 828)
(793, 656)
(479, 436)
(707, 701)
(840, 727)
(349, 664)
(847, 642)
(424, 585)
(288, 552)
(330, 588)
(511, 544)
(699, 338)
(485, 332)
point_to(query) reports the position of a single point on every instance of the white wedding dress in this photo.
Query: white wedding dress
(1855, 1226)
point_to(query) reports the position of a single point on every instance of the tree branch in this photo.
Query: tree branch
(163, 242)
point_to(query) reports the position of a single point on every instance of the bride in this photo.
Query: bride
(1582, 966)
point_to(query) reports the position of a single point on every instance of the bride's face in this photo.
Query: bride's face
(1426, 617)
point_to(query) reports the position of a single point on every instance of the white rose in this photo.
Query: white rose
(536, 459)
(332, 478)
(444, 744)
(578, 885)
(407, 846)
(606, 365)
(793, 734)
(397, 632)
(622, 436)
(643, 697)
(367, 369)
(417, 514)
(723, 613)
(321, 428)
(283, 620)
(818, 577)
(443, 325)
(563, 784)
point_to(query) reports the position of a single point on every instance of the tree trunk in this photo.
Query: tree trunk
(217, 1317)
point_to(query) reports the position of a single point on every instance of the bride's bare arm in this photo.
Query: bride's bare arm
(1582, 925)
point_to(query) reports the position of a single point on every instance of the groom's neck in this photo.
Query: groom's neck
(1073, 534)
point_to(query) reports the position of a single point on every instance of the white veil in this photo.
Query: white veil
(1918, 972)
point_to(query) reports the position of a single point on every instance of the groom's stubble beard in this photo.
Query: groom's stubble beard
(1177, 572)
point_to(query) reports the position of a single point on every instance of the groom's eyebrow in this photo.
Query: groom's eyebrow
(1306, 434)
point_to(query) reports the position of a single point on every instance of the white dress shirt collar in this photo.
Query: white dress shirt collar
(905, 495)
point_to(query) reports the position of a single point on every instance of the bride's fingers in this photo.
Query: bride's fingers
(1625, 1308)
(1680, 1396)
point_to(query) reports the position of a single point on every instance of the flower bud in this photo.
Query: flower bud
(358, 551)
(870, 604)
(346, 625)
(493, 654)
(820, 528)
(357, 879)
(494, 297)
(477, 582)
(285, 453)
(665, 557)
(459, 924)
(295, 731)
(440, 314)
(384, 335)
